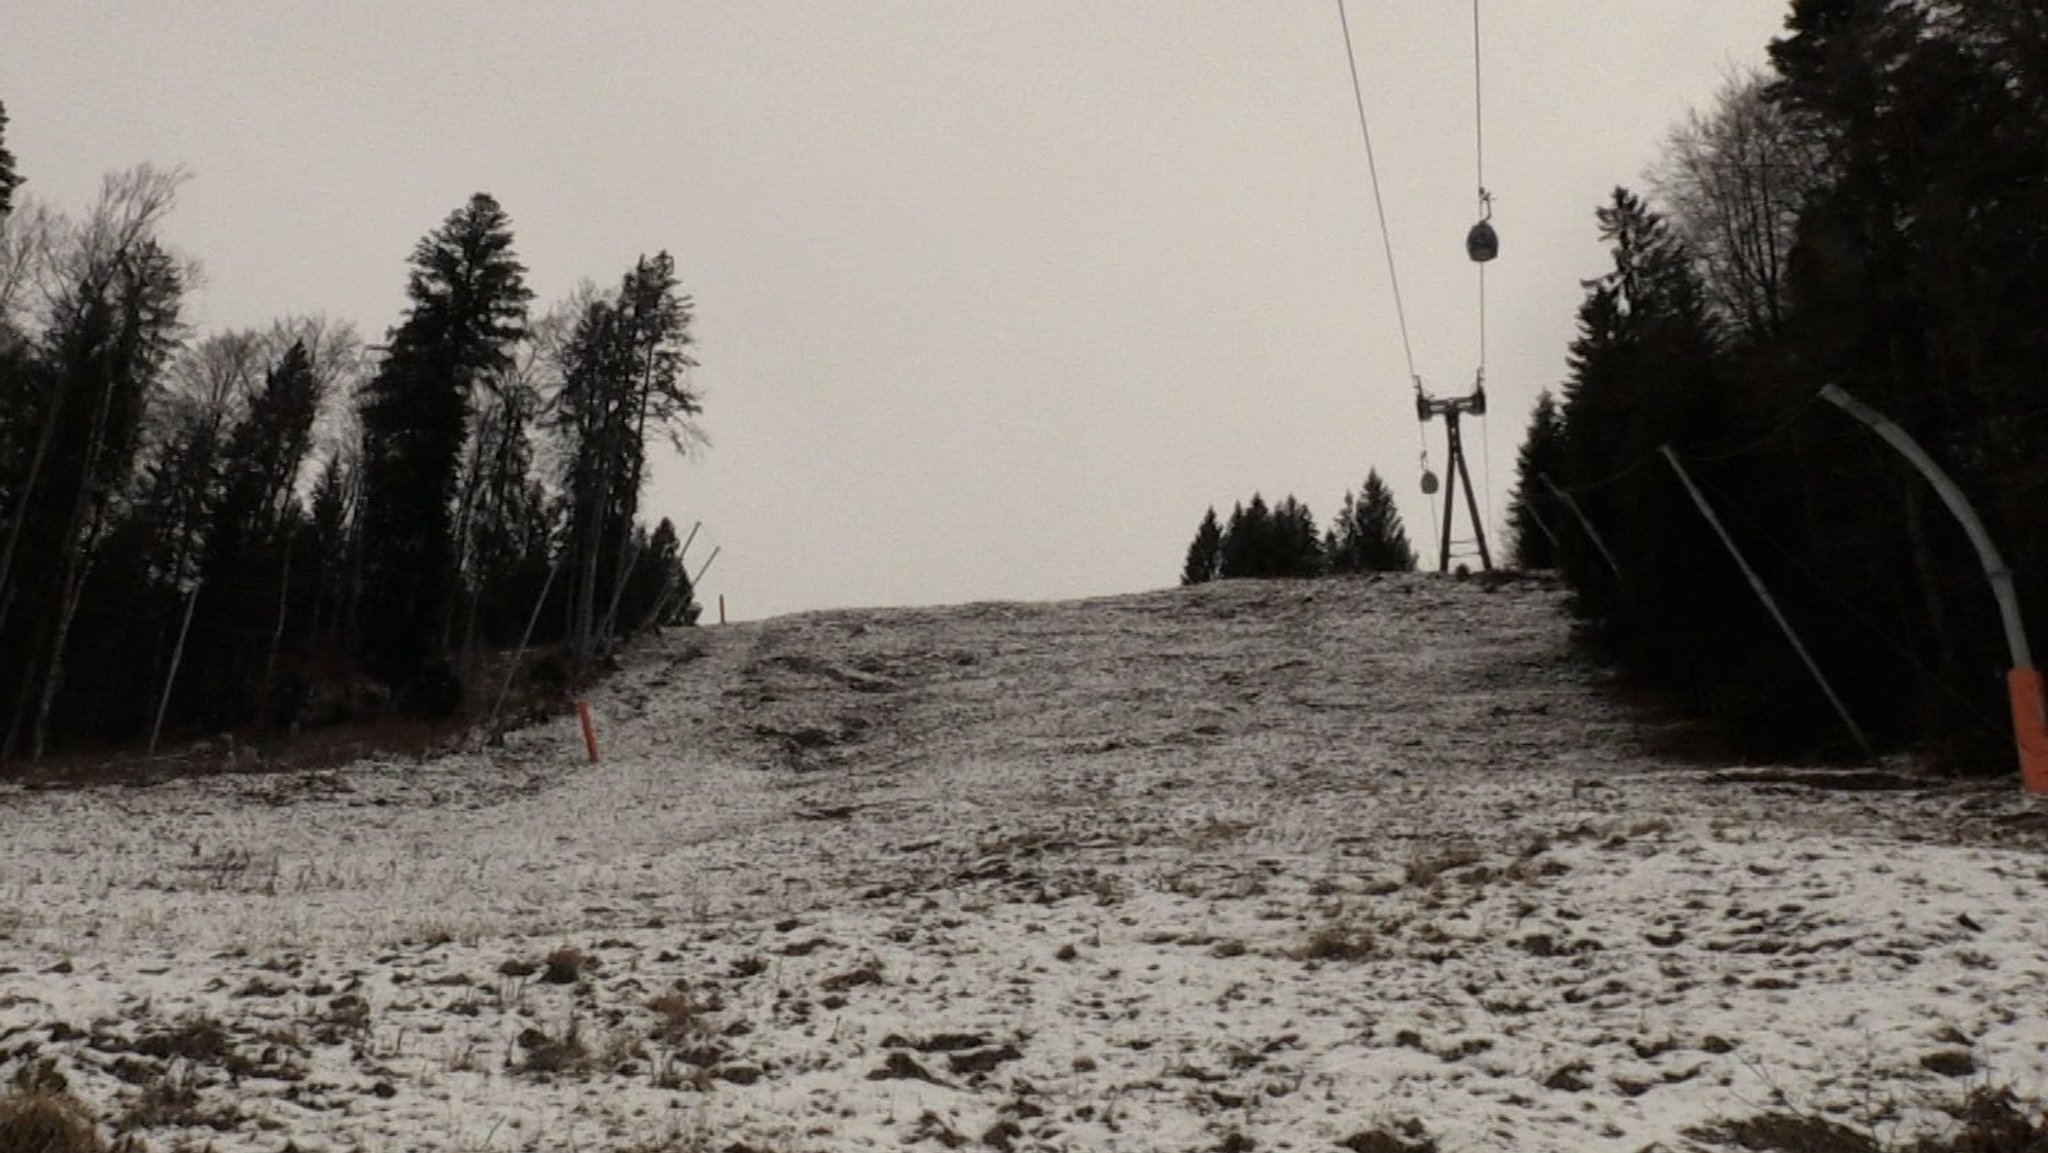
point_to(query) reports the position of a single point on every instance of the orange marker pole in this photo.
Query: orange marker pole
(2030, 728)
(589, 733)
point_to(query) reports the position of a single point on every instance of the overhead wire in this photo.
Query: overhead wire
(1479, 169)
(1485, 211)
(1379, 205)
(1612, 478)
(1970, 707)
(1776, 428)
(1378, 202)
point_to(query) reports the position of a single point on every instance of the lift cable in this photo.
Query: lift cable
(1378, 202)
(1485, 213)
(1379, 205)
(1479, 167)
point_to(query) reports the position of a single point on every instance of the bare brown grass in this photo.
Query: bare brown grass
(36, 1120)
(1989, 1120)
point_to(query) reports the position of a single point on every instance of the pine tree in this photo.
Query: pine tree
(115, 329)
(1297, 549)
(1645, 370)
(503, 571)
(9, 178)
(468, 306)
(249, 545)
(1258, 542)
(656, 325)
(1368, 535)
(659, 592)
(1247, 541)
(1649, 370)
(1533, 514)
(1205, 552)
(329, 535)
(622, 376)
(1915, 285)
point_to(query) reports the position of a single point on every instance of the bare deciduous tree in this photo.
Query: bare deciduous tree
(1734, 181)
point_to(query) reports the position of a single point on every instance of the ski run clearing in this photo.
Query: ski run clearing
(1364, 864)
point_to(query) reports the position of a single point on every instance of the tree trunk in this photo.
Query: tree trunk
(465, 520)
(591, 539)
(611, 611)
(352, 587)
(163, 702)
(24, 690)
(284, 588)
(1929, 574)
(28, 489)
(76, 570)
(76, 562)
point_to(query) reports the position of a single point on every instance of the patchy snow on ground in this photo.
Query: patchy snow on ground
(1252, 866)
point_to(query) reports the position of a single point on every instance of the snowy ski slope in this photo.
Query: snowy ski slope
(1252, 866)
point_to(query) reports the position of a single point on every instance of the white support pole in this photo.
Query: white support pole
(163, 702)
(695, 580)
(1952, 496)
(1764, 594)
(1543, 526)
(519, 654)
(2023, 683)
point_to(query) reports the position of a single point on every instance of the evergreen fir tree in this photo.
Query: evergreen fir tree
(501, 568)
(1531, 507)
(622, 376)
(1368, 535)
(9, 179)
(1205, 552)
(246, 561)
(659, 592)
(1645, 370)
(1915, 284)
(114, 331)
(1247, 541)
(1297, 549)
(329, 536)
(468, 307)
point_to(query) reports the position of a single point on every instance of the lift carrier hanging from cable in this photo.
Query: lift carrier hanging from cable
(1482, 244)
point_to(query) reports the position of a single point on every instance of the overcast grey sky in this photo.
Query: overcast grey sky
(992, 299)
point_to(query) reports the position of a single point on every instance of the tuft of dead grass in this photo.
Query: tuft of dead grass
(1989, 1120)
(1398, 1137)
(198, 1038)
(1784, 1132)
(565, 966)
(35, 1118)
(1339, 941)
(680, 1017)
(345, 1018)
(1993, 1121)
(544, 1053)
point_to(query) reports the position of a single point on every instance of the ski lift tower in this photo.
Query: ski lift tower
(1451, 408)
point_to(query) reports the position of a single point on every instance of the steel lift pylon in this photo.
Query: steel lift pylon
(1451, 408)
